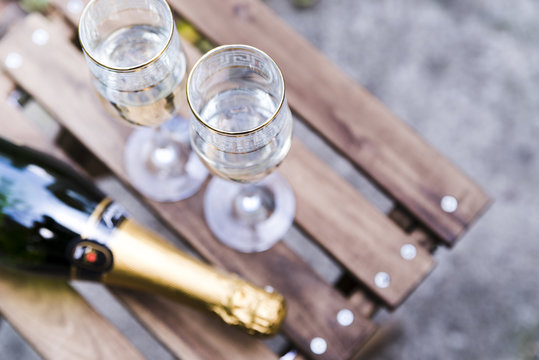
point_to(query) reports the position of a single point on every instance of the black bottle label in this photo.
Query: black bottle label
(90, 257)
(112, 216)
(89, 254)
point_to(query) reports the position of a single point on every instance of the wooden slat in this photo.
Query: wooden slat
(45, 310)
(75, 105)
(418, 234)
(190, 333)
(6, 86)
(13, 124)
(10, 12)
(351, 229)
(72, 14)
(57, 322)
(181, 323)
(355, 123)
(364, 234)
(347, 226)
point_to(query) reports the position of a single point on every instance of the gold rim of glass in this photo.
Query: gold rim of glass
(223, 48)
(129, 68)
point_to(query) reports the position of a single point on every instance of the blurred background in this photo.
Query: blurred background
(465, 75)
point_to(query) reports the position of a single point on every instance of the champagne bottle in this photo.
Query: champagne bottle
(54, 221)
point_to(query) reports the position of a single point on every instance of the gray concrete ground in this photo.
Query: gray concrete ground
(465, 75)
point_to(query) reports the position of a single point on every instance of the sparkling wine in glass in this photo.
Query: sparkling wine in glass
(138, 66)
(241, 129)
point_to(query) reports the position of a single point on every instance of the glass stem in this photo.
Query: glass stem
(168, 154)
(253, 203)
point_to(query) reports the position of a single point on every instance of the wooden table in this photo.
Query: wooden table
(384, 256)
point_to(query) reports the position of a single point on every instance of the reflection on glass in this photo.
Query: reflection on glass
(242, 130)
(134, 54)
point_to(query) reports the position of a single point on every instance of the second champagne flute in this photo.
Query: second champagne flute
(134, 54)
(242, 130)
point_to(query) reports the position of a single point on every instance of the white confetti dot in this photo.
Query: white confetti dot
(449, 204)
(345, 317)
(318, 345)
(13, 60)
(408, 251)
(74, 6)
(382, 280)
(40, 37)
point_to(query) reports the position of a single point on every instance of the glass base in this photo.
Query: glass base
(249, 218)
(164, 169)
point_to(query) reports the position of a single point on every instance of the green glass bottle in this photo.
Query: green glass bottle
(53, 221)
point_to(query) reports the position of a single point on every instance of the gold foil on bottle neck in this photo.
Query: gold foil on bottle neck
(257, 311)
(144, 261)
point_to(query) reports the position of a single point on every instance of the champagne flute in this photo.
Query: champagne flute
(241, 129)
(134, 54)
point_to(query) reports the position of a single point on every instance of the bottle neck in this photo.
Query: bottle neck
(142, 260)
